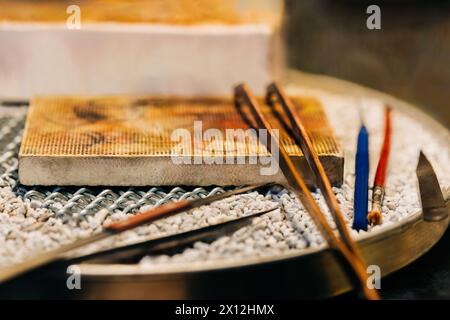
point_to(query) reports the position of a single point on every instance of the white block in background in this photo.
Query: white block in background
(48, 58)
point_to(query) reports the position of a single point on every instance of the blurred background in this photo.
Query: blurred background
(408, 58)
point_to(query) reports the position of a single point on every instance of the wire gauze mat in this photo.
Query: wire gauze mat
(75, 201)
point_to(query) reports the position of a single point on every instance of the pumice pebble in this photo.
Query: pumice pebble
(26, 227)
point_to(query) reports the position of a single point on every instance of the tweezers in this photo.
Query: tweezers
(284, 109)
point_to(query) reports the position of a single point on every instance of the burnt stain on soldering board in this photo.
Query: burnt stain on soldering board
(88, 114)
(149, 122)
(133, 128)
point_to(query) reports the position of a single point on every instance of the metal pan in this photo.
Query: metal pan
(310, 273)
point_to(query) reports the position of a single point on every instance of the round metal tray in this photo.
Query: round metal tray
(312, 273)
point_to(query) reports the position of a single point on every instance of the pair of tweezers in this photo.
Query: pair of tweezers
(285, 111)
(63, 253)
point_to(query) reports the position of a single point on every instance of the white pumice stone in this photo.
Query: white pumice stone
(27, 229)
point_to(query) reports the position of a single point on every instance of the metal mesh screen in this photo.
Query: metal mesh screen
(77, 201)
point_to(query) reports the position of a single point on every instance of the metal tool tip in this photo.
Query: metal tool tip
(374, 217)
(422, 160)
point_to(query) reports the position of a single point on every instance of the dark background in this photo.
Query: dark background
(408, 58)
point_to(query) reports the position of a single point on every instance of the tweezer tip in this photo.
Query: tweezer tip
(422, 160)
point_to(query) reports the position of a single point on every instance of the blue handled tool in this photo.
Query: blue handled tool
(361, 180)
